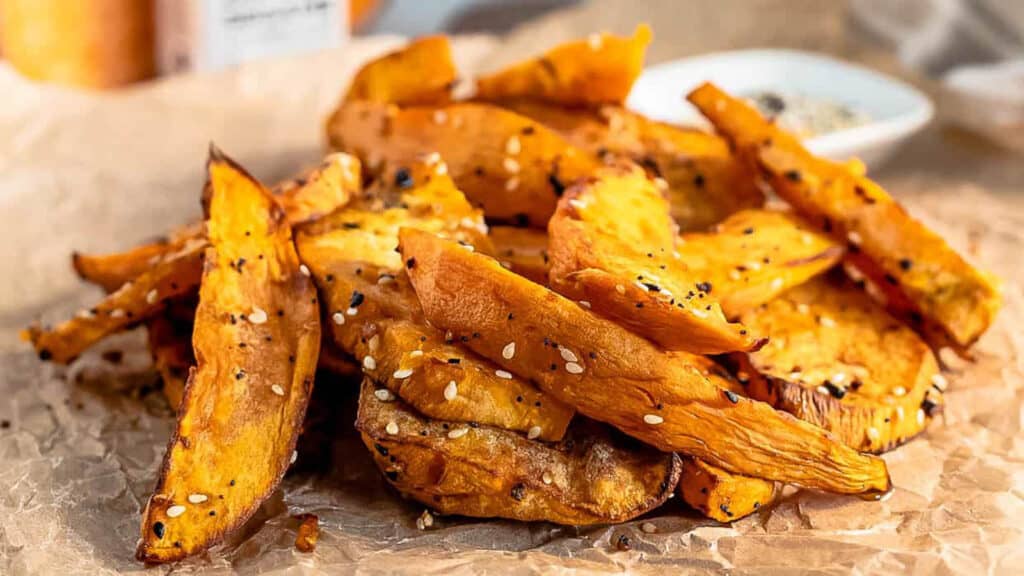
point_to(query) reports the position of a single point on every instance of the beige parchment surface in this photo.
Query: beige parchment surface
(79, 453)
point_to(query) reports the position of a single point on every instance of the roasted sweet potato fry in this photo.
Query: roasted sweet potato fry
(590, 477)
(755, 255)
(610, 374)
(256, 340)
(598, 70)
(175, 274)
(843, 363)
(375, 317)
(511, 166)
(722, 495)
(613, 246)
(112, 271)
(522, 250)
(421, 73)
(920, 273)
(706, 182)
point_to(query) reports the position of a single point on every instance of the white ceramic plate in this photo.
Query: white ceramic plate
(895, 110)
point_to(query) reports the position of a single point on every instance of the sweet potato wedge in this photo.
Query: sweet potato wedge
(613, 246)
(112, 271)
(374, 316)
(755, 255)
(522, 250)
(706, 182)
(597, 70)
(420, 73)
(511, 166)
(256, 340)
(610, 374)
(918, 270)
(843, 363)
(722, 495)
(590, 477)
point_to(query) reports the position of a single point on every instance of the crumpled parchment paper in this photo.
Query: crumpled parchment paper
(79, 446)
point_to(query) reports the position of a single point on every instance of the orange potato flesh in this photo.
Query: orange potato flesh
(610, 374)
(706, 181)
(243, 405)
(843, 363)
(921, 275)
(721, 495)
(596, 70)
(374, 316)
(591, 477)
(755, 255)
(421, 73)
(613, 246)
(522, 250)
(511, 166)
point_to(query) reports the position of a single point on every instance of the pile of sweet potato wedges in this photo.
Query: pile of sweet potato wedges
(555, 309)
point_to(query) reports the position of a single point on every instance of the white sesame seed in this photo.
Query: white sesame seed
(546, 477)
(585, 304)
(426, 519)
(338, 318)
(258, 315)
(432, 158)
(676, 254)
(197, 498)
(304, 269)
(295, 456)
(440, 116)
(899, 391)
(509, 351)
(373, 343)
(734, 274)
(352, 311)
(175, 511)
(451, 390)
(653, 419)
(822, 390)
(620, 288)
(511, 184)
(803, 308)
(777, 283)
(920, 417)
(853, 237)
(577, 204)
(385, 279)
(827, 322)
(807, 238)
(533, 432)
(512, 146)
(415, 353)
(402, 374)
(641, 286)
(276, 389)
(391, 428)
(940, 382)
(838, 377)
(648, 528)
(661, 183)
(511, 165)
(567, 354)
(795, 375)
(873, 433)
(594, 41)
(457, 433)
(753, 266)
(86, 314)
(899, 413)
(698, 312)
(573, 368)
(117, 313)
(151, 296)
(503, 374)
(468, 247)
(369, 363)
(384, 395)
(441, 169)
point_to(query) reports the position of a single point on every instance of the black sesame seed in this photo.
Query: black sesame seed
(240, 374)
(357, 299)
(836, 391)
(410, 263)
(519, 398)
(381, 449)
(929, 407)
(554, 366)
(45, 354)
(704, 287)
(698, 180)
(557, 186)
(232, 483)
(158, 529)
(731, 396)
(792, 175)
(748, 231)
(213, 512)
(403, 179)
(905, 264)
(891, 279)
(518, 491)
(639, 304)
(652, 287)
(392, 475)
(725, 509)
(623, 543)
(454, 360)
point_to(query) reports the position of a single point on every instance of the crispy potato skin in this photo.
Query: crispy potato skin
(243, 406)
(844, 364)
(523, 250)
(755, 255)
(421, 73)
(596, 70)
(373, 315)
(173, 275)
(610, 374)
(588, 478)
(613, 245)
(918, 270)
(706, 181)
(721, 495)
(517, 182)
